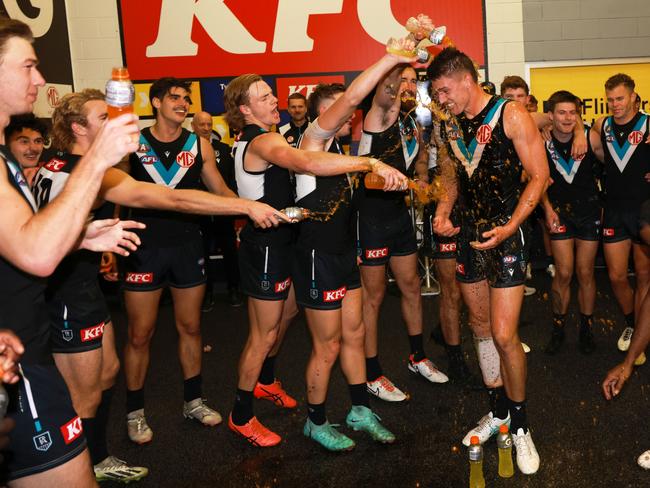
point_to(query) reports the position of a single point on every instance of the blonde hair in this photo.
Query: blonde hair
(236, 94)
(70, 110)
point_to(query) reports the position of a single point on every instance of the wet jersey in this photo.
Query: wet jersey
(487, 166)
(22, 299)
(627, 161)
(177, 165)
(272, 186)
(79, 266)
(574, 181)
(397, 146)
(329, 197)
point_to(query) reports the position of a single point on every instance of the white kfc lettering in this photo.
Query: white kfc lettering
(376, 253)
(72, 430)
(304, 89)
(448, 247)
(282, 286)
(139, 277)
(334, 295)
(40, 24)
(92, 333)
(292, 20)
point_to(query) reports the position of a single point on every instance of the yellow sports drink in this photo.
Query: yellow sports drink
(504, 443)
(476, 479)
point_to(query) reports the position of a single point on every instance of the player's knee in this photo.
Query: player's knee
(328, 351)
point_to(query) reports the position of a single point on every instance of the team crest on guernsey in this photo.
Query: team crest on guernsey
(43, 441)
(143, 148)
(266, 285)
(67, 334)
(290, 139)
(313, 293)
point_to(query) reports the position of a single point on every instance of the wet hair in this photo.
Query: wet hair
(297, 96)
(620, 79)
(450, 61)
(236, 94)
(489, 88)
(70, 110)
(10, 28)
(514, 82)
(25, 121)
(323, 91)
(163, 86)
(562, 96)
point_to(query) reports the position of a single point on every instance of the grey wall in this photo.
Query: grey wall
(557, 30)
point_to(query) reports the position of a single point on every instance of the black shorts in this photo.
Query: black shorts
(581, 223)
(434, 245)
(322, 279)
(48, 432)
(503, 266)
(179, 266)
(77, 321)
(621, 225)
(379, 239)
(265, 270)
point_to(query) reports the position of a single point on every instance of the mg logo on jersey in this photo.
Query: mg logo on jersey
(484, 134)
(72, 430)
(509, 259)
(282, 285)
(139, 277)
(376, 253)
(92, 333)
(185, 159)
(148, 159)
(448, 247)
(460, 268)
(55, 165)
(334, 295)
(608, 232)
(42, 442)
(635, 137)
(52, 96)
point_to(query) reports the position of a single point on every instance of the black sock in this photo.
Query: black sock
(373, 368)
(267, 375)
(586, 321)
(498, 402)
(101, 425)
(417, 349)
(629, 320)
(242, 411)
(90, 431)
(454, 353)
(316, 412)
(134, 400)
(359, 395)
(518, 418)
(559, 319)
(192, 388)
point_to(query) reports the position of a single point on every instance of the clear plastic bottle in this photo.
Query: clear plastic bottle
(504, 443)
(120, 93)
(437, 35)
(4, 400)
(296, 214)
(476, 479)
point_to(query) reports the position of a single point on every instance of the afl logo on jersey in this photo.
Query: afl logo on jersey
(484, 134)
(185, 159)
(148, 159)
(55, 165)
(635, 137)
(143, 148)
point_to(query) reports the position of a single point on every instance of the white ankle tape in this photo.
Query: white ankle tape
(315, 131)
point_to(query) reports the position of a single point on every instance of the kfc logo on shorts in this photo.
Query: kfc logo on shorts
(42, 442)
(334, 295)
(509, 259)
(139, 277)
(185, 159)
(560, 229)
(92, 333)
(460, 268)
(55, 165)
(72, 430)
(484, 134)
(608, 232)
(448, 247)
(635, 137)
(149, 160)
(283, 285)
(376, 253)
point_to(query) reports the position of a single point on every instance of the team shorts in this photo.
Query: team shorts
(436, 246)
(503, 266)
(620, 225)
(265, 270)
(77, 321)
(48, 432)
(178, 266)
(581, 223)
(322, 279)
(380, 239)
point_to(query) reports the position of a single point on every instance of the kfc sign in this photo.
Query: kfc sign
(92, 333)
(72, 430)
(183, 38)
(288, 86)
(334, 295)
(282, 285)
(139, 277)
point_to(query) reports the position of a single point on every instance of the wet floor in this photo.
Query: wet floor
(583, 440)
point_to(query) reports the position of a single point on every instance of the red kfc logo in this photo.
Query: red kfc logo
(72, 430)
(560, 229)
(139, 277)
(608, 232)
(92, 333)
(448, 247)
(460, 268)
(282, 285)
(185, 159)
(376, 253)
(484, 134)
(55, 165)
(635, 137)
(334, 295)
(288, 86)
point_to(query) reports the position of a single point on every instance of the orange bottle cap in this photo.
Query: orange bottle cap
(503, 429)
(120, 73)
(474, 440)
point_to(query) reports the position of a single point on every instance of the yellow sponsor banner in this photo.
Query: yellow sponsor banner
(588, 83)
(143, 107)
